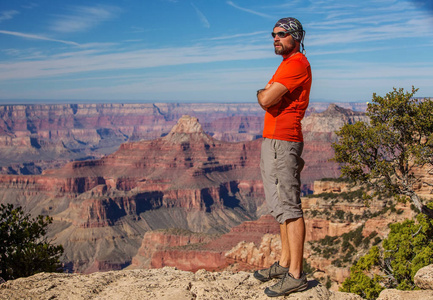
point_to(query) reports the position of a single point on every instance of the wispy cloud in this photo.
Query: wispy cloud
(83, 18)
(235, 36)
(37, 37)
(141, 59)
(193, 85)
(201, 16)
(30, 5)
(231, 3)
(24, 54)
(7, 15)
(427, 5)
(368, 29)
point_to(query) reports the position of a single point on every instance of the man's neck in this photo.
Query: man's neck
(291, 54)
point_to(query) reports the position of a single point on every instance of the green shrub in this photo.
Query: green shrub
(408, 248)
(24, 249)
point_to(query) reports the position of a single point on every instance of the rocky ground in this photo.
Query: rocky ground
(165, 283)
(170, 283)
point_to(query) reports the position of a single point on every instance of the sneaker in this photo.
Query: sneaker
(274, 271)
(288, 284)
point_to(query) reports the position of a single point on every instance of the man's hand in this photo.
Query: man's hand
(258, 92)
(271, 94)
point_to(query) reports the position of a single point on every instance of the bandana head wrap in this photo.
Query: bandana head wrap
(294, 25)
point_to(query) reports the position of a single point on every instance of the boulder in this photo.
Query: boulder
(424, 278)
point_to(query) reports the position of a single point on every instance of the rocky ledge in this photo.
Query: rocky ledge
(166, 283)
(170, 283)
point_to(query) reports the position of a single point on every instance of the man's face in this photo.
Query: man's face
(283, 46)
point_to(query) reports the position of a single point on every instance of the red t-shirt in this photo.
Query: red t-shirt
(283, 120)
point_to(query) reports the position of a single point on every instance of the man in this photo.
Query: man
(285, 99)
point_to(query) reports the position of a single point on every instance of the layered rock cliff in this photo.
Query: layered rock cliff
(319, 134)
(102, 208)
(187, 179)
(51, 135)
(38, 137)
(335, 213)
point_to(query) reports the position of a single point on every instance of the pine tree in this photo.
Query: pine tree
(24, 249)
(386, 152)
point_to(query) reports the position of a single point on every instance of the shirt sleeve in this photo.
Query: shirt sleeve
(291, 74)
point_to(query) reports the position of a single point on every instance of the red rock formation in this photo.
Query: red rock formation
(186, 179)
(189, 260)
(256, 244)
(160, 249)
(319, 134)
(51, 135)
(153, 253)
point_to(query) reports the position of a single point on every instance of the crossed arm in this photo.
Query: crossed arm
(271, 94)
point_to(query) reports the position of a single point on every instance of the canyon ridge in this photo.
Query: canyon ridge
(185, 194)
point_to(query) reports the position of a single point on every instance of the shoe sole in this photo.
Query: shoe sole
(301, 288)
(266, 279)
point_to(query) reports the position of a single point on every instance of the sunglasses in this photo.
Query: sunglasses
(282, 34)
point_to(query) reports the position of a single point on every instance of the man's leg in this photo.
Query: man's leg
(268, 170)
(285, 246)
(296, 237)
(295, 280)
(292, 234)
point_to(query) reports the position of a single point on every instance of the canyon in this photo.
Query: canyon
(102, 208)
(45, 136)
(163, 189)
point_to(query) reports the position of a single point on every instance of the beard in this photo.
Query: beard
(284, 50)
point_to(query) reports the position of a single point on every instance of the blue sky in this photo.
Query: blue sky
(207, 50)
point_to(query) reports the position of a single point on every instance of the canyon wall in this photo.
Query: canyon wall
(34, 138)
(38, 137)
(104, 208)
(48, 136)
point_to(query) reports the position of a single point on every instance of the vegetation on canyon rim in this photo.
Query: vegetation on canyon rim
(385, 152)
(384, 155)
(408, 248)
(24, 249)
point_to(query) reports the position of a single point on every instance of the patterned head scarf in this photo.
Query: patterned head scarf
(294, 25)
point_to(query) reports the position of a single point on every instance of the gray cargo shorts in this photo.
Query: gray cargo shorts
(281, 165)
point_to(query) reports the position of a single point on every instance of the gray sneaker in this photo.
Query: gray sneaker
(274, 271)
(288, 284)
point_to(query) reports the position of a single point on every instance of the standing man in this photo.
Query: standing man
(285, 99)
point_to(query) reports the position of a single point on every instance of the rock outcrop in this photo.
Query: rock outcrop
(170, 283)
(424, 278)
(166, 283)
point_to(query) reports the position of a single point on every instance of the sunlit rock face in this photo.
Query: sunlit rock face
(102, 208)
